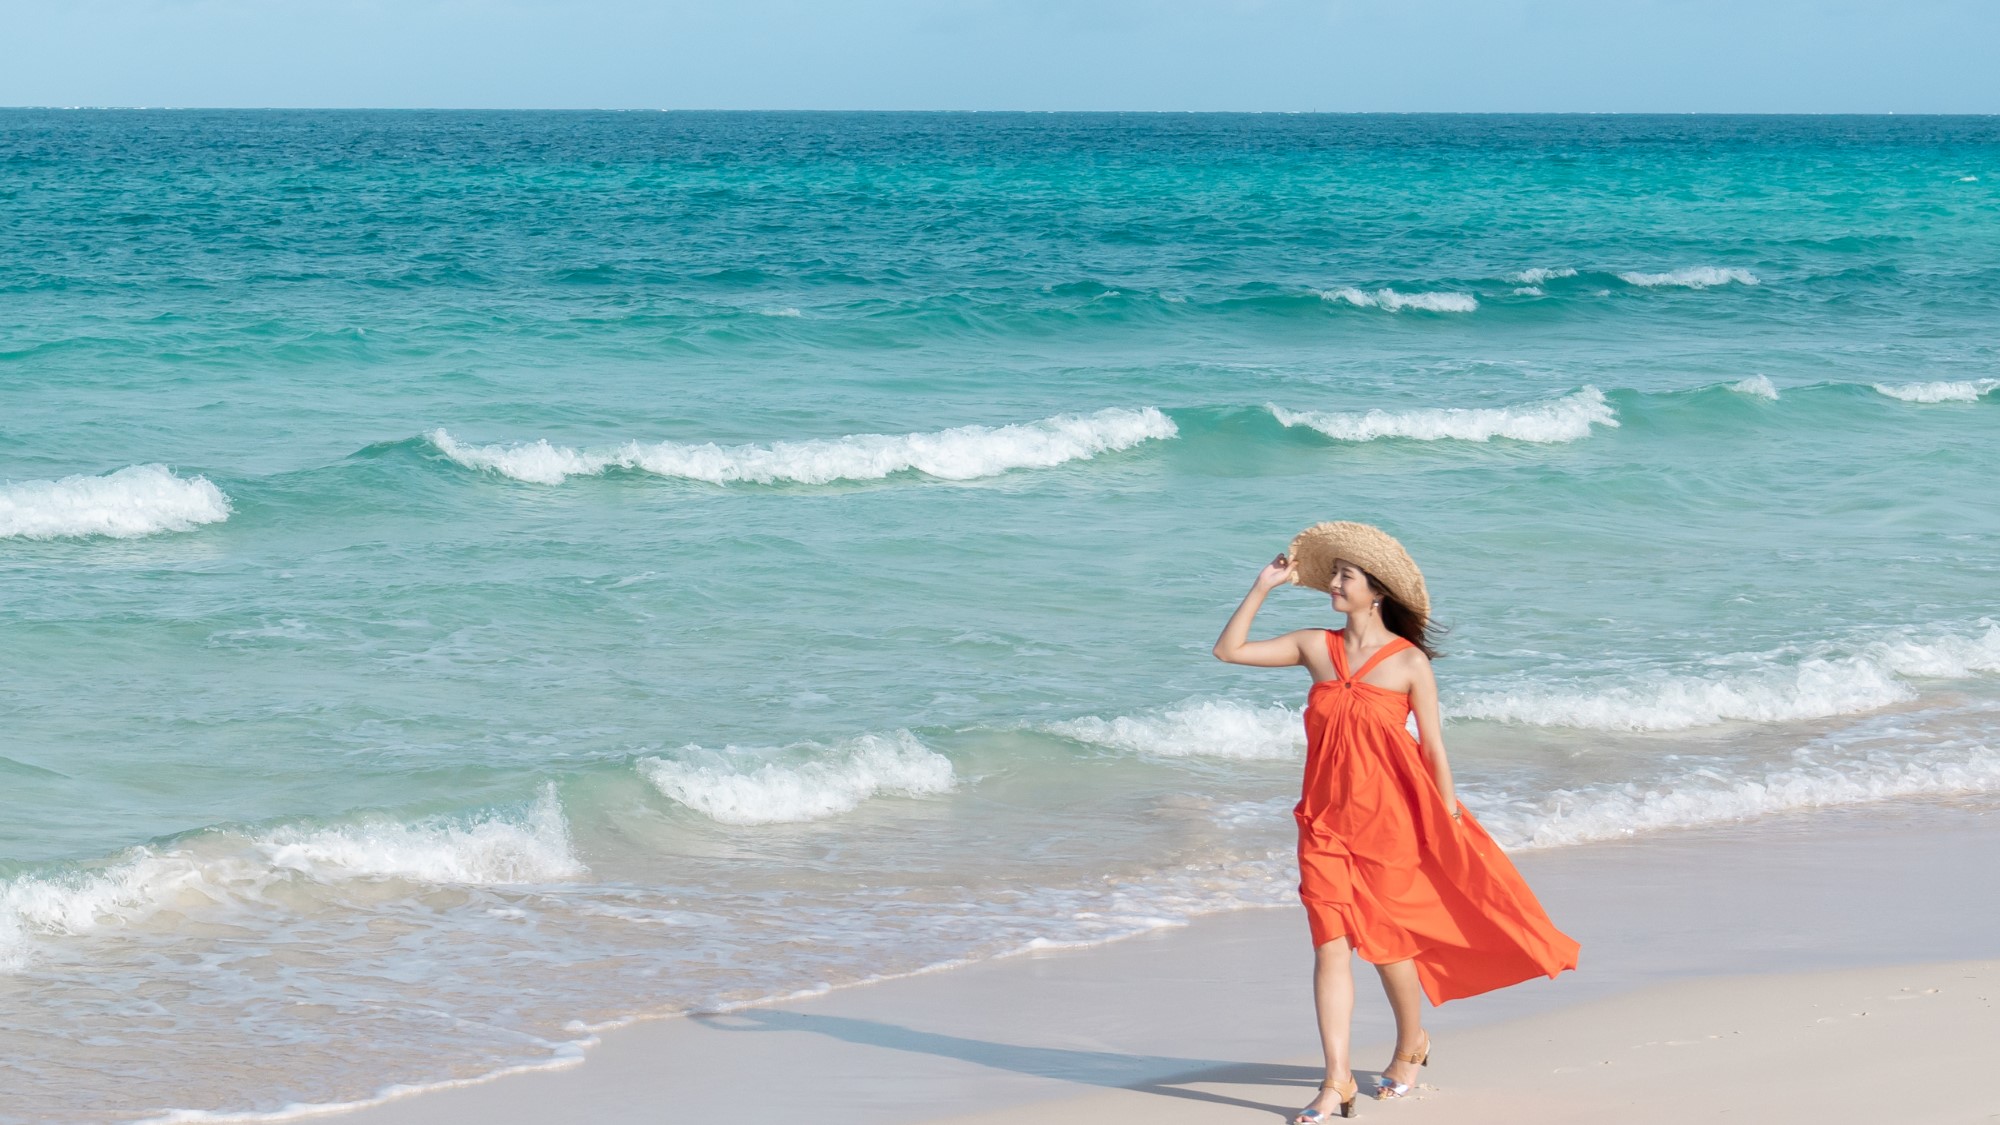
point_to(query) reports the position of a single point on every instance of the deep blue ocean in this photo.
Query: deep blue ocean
(469, 579)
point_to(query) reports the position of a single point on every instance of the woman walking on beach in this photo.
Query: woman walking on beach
(1391, 866)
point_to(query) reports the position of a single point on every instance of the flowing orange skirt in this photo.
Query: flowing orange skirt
(1382, 863)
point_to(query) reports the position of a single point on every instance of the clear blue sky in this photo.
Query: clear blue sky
(1912, 56)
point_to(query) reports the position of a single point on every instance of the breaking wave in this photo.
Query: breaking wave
(489, 851)
(134, 501)
(1694, 277)
(963, 453)
(810, 782)
(1761, 688)
(1208, 729)
(1393, 301)
(1884, 757)
(1874, 763)
(1564, 419)
(494, 849)
(41, 906)
(1756, 386)
(1963, 391)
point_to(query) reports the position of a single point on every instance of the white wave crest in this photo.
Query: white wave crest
(216, 868)
(537, 462)
(1564, 419)
(1756, 386)
(963, 453)
(815, 782)
(1209, 729)
(1814, 689)
(1715, 793)
(1947, 656)
(1393, 301)
(144, 881)
(1694, 277)
(1760, 688)
(1538, 275)
(1963, 391)
(134, 501)
(488, 851)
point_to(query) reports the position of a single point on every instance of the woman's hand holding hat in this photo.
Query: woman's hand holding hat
(1276, 573)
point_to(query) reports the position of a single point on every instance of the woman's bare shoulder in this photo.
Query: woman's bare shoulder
(1411, 659)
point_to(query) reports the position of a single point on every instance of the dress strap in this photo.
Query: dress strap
(1392, 648)
(1339, 653)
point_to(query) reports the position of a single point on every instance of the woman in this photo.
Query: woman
(1391, 866)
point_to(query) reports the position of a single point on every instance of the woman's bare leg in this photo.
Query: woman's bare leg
(1333, 999)
(1406, 999)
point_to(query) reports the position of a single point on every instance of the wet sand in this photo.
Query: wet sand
(1723, 975)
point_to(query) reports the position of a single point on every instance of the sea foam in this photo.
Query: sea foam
(1540, 274)
(1962, 391)
(1813, 689)
(1822, 774)
(494, 849)
(1883, 758)
(1393, 301)
(1694, 277)
(1558, 420)
(72, 903)
(963, 453)
(1758, 687)
(134, 501)
(1756, 386)
(1207, 729)
(490, 850)
(809, 782)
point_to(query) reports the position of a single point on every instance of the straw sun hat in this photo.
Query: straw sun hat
(1317, 548)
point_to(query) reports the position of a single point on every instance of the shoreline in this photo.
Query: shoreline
(1790, 1048)
(1811, 899)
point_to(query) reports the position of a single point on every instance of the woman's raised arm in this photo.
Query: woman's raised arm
(1235, 646)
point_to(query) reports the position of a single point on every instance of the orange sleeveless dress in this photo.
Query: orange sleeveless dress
(1382, 863)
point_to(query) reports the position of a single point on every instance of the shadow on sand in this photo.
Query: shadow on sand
(1165, 1075)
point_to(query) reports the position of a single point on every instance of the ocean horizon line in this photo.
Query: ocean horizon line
(1483, 114)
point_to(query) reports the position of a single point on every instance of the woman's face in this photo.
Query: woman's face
(1352, 591)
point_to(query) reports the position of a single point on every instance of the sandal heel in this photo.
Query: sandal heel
(1386, 1090)
(1349, 1091)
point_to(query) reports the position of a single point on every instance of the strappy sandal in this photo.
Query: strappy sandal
(1385, 1089)
(1348, 1091)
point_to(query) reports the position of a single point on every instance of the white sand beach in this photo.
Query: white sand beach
(1845, 962)
(1902, 1043)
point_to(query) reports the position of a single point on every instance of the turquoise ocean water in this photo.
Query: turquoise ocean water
(470, 579)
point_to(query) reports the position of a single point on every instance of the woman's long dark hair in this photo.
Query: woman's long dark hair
(1400, 620)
